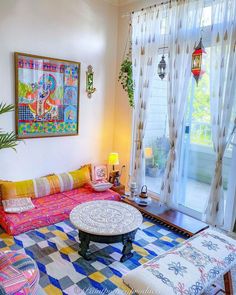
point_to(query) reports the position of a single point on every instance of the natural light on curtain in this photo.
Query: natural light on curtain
(222, 96)
(146, 26)
(212, 102)
(184, 19)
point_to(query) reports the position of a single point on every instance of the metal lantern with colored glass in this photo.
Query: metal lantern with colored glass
(197, 64)
(162, 68)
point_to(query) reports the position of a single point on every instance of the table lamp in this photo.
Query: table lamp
(113, 160)
(148, 153)
(114, 176)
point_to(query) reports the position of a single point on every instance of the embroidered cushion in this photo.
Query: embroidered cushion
(44, 186)
(17, 205)
(190, 268)
(101, 186)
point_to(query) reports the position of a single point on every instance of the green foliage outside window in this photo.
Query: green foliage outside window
(201, 115)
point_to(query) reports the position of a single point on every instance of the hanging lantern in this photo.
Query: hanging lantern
(162, 68)
(197, 56)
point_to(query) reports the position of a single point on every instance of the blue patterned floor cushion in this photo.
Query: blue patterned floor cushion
(189, 268)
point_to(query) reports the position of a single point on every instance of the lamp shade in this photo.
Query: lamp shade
(113, 159)
(148, 153)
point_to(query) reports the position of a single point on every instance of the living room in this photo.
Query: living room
(117, 146)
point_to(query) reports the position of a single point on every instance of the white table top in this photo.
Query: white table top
(106, 218)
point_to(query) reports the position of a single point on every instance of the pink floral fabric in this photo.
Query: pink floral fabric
(51, 209)
(18, 274)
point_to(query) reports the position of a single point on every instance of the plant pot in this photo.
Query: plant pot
(153, 171)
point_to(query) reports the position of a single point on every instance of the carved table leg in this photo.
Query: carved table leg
(127, 240)
(228, 283)
(84, 245)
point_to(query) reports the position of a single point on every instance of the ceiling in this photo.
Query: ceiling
(120, 2)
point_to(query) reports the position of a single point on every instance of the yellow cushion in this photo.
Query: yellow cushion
(8, 190)
(19, 189)
(44, 186)
(25, 189)
(80, 176)
(2, 182)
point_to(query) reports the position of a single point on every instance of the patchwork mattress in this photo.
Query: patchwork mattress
(51, 209)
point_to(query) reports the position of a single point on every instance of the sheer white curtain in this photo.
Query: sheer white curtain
(184, 30)
(146, 26)
(222, 96)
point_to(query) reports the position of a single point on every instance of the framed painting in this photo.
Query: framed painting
(47, 96)
(100, 172)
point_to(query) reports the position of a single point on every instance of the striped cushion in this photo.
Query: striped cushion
(18, 273)
(44, 186)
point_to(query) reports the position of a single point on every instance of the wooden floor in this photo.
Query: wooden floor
(179, 221)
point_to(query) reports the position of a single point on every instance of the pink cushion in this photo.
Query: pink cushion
(51, 209)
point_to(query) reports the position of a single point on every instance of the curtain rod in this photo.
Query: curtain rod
(148, 7)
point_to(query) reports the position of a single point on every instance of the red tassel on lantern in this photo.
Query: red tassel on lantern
(197, 55)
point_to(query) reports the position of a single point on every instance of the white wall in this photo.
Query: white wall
(79, 30)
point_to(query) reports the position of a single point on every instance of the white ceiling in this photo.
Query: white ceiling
(120, 2)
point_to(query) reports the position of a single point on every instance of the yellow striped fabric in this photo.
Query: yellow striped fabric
(18, 189)
(80, 176)
(43, 186)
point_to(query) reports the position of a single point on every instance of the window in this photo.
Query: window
(197, 148)
(156, 134)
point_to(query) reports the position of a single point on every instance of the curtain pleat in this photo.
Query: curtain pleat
(146, 26)
(184, 19)
(222, 97)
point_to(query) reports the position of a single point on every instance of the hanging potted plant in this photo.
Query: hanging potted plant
(126, 78)
(126, 71)
(7, 139)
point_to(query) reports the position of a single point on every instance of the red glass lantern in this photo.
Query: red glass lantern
(197, 57)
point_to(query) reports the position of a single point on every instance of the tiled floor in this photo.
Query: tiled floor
(64, 272)
(196, 192)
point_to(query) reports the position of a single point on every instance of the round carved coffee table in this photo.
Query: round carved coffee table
(106, 222)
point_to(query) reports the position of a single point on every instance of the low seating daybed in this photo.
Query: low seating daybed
(190, 268)
(53, 196)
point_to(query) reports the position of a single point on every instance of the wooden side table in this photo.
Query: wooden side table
(120, 189)
(169, 217)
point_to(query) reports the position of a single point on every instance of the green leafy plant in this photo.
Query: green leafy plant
(126, 79)
(7, 139)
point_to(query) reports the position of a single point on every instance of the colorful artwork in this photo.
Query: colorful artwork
(47, 96)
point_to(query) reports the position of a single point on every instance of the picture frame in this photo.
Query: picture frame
(100, 172)
(46, 96)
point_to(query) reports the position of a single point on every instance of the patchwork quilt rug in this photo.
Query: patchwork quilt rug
(64, 271)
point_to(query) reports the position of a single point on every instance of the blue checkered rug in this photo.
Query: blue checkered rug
(64, 271)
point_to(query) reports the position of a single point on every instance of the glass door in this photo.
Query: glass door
(198, 157)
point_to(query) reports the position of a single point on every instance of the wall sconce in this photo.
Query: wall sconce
(89, 81)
